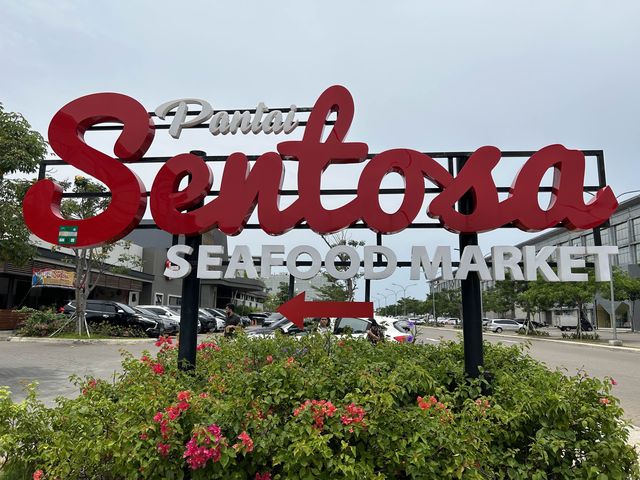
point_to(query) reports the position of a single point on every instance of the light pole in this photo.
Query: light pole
(395, 294)
(433, 300)
(386, 302)
(404, 295)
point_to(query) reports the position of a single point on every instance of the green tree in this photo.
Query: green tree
(565, 294)
(276, 299)
(502, 298)
(91, 263)
(334, 289)
(448, 302)
(21, 150)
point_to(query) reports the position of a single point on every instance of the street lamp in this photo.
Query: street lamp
(396, 305)
(404, 295)
(386, 303)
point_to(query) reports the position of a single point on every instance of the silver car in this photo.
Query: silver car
(498, 325)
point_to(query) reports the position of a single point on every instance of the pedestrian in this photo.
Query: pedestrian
(232, 322)
(375, 334)
(323, 325)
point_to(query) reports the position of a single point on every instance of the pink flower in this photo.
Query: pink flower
(203, 395)
(143, 436)
(269, 360)
(613, 382)
(158, 417)
(163, 449)
(37, 475)
(263, 476)
(605, 401)
(184, 395)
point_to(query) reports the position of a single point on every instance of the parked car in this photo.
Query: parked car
(485, 322)
(570, 322)
(258, 317)
(166, 326)
(358, 327)
(274, 317)
(523, 322)
(115, 313)
(210, 322)
(284, 326)
(498, 325)
(451, 321)
(166, 311)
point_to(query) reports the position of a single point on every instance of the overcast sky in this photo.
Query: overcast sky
(432, 76)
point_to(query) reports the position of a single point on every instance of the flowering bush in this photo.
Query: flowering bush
(311, 408)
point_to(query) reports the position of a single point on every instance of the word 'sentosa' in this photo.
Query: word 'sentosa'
(242, 188)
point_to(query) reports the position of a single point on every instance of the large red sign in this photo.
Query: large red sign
(243, 188)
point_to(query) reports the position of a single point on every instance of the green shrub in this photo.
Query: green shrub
(534, 332)
(42, 323)
(315, 407)
(581, 336)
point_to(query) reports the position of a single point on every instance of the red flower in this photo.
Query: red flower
(157, 368)
(163, 449)
(158, 417)
(37, 475)
(165, 340)
(246, 440)
(143, 436)
(263, 476)
(613, 382)
(269, 360)
(184, 395)
(203, 395)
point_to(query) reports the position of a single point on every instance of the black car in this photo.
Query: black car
(115, 313)
(522, 321)
(166, 326)
(274, 317)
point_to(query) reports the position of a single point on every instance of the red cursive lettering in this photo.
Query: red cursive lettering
(243, 189)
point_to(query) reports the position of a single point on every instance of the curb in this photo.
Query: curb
(545, 339)
(568, 342)
(77, 341)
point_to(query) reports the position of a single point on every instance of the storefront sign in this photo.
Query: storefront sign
(242, 188)
(518, 264)
(52, 278)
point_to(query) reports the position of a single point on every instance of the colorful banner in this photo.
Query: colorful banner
(52, 278)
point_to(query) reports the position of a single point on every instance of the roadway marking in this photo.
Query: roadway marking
(431, 339)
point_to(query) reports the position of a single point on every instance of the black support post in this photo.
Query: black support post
(292, 286)
(471, 296)
(190, 303)
(189, 309)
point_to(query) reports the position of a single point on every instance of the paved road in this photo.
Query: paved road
(597, 361)
(52, 364)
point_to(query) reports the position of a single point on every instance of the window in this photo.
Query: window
(622, 234)
(588, 240)
(159, 299)
(635, 226)
(576, 242)
(624, 255)
(604, 236)
(174, 300)
(108, 308)
(637, 250)
(353, 325)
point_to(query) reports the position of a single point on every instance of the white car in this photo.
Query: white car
(394, 330)
(498, 325)
(161, 311)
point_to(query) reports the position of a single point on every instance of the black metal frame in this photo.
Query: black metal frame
(470, 288)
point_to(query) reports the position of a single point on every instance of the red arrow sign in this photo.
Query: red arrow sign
(297, 309)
